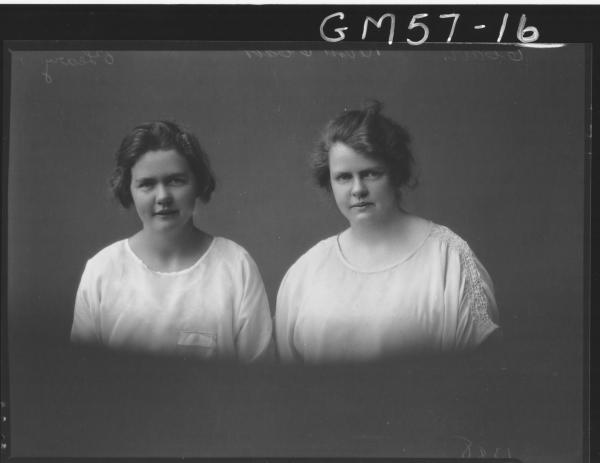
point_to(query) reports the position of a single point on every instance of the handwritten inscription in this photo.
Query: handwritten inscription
(419, 27)
(465, 55)
(489, 55)
(475, 450)
(86, 58)
(286, 54)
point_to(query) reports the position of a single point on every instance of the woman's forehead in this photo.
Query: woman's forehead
(160, 162)
(344, 157)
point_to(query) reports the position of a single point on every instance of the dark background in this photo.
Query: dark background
(499, 142)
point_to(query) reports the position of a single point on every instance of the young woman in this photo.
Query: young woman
(390, 284)
(171, 288)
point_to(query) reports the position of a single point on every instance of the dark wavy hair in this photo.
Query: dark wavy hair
(371, 134)
(159, 135)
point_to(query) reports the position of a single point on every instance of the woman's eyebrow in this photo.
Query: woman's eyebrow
(371, 169)
(176, 174)
(154, 177)
(143, 179)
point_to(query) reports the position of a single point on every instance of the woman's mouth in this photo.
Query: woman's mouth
(361, 205)
(166, 212)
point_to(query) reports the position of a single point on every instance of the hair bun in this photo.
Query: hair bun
(372, 107)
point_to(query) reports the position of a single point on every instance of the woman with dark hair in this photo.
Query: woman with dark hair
(171, 288)
(390, 284)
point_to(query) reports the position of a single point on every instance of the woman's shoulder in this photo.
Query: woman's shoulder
(448, 240)
(228, 251)
(110, 253)
(450, 247)
(307, 264)
(316, 254)
(108, 261)
(227, 245)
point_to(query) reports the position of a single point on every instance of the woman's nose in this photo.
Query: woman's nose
(358, 187)
(163, 195)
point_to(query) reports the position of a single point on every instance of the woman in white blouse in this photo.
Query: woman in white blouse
(171, 288)
(390, 284)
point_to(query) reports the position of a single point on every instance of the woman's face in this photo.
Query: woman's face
(361, 186)
(164, 190)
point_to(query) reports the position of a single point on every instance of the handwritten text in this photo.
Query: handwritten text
(286, 54)
(334, 29)
(488, 55)
(473, 450)
(86, 58)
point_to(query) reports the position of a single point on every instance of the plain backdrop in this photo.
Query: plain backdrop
(499, 142)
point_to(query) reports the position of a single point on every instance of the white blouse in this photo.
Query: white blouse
(217, 308)
(437, 299)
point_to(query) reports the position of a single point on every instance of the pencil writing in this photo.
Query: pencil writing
(86, 58)
(286, 54)
(474, 450)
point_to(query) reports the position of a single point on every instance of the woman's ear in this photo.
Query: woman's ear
(399, 196)
(201, 193)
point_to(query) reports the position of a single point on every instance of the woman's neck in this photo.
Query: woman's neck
(370, 233)
(371, 245)
(164, 251)
(167, 243)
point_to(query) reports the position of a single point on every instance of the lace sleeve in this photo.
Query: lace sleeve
(477, 312)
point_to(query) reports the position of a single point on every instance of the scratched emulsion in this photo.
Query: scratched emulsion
(498, 138)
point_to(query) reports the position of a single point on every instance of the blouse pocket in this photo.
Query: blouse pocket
(200, 344)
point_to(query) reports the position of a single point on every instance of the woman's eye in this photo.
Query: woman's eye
(373, 174)
(177, 181)
(342, 177)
